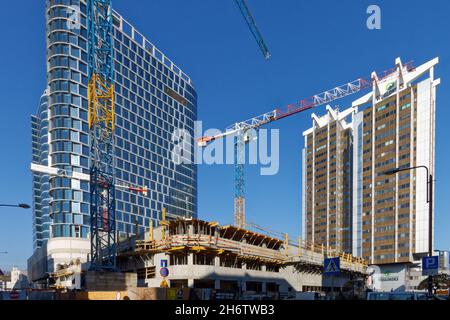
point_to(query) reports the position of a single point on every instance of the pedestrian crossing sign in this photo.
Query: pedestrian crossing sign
(332, 266)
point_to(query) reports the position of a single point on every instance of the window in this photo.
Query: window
(203, 259)
(405, 106)
(381, 108)
(178, 259)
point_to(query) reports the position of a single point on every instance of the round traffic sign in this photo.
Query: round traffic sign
(164, 272)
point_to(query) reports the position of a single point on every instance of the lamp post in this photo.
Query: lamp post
(430, 213)
(20, 205)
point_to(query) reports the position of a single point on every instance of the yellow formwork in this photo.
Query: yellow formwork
(101, 103)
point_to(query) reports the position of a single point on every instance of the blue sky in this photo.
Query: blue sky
(315, 46)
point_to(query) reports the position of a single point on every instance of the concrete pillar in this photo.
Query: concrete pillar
(190, 259)
(191, 283)
(217, 261)
(217, 284)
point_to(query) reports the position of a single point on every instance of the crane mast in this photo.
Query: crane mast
(101, 134)
(239, 181)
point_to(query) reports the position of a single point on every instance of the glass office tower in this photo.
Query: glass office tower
(153, 99)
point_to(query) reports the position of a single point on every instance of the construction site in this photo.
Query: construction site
(203, 260)
(126, 247)
(179, 253)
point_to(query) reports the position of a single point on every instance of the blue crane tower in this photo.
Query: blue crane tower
(101, 134)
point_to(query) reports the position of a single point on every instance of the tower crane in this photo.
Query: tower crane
(101, 133)
(252, 26)
(240, 129)
(101, 121)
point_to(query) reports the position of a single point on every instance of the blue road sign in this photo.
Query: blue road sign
(430, 265)
(164, 272)
(332, 266)
(164, 263)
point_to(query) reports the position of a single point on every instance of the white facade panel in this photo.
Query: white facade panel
(304, 191)
(357, 185)
(423, 159)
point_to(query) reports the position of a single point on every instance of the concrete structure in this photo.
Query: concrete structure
(4, 279)
(346, 154)
(396, 277)
(153, 98)
(444, 261)
(404, 277)
(15, 280)
(201, 254)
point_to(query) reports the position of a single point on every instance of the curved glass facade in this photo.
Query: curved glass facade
(41, 197)
(69, 143)
(153, 98)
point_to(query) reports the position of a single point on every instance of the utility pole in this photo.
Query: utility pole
(430, 228)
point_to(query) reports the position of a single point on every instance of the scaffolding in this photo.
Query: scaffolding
(237, 245)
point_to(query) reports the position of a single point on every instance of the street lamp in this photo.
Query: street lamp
(20, 205)
(430, 213)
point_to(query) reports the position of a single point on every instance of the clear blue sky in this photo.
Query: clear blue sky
(315, 45)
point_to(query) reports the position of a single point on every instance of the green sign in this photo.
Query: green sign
(387, 277)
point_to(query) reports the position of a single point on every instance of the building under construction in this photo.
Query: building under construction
(201, 254)
(228, 260)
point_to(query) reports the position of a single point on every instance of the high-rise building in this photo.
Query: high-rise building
(327, 180)
(349, 202)
(153, 98)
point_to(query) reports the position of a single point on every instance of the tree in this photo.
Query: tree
(441, 281)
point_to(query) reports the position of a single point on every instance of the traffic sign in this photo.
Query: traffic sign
(164, 272)
(164, 284)
(430, 265)
(332, 266)
(164, 263)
